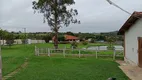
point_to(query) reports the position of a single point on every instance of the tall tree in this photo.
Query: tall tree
(57, 14)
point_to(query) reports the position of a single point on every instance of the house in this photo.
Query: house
(132, 31)
(68, 38)
(71, 38)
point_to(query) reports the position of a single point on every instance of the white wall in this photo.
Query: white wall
(38, 41)
(131, 41)
(19, 41)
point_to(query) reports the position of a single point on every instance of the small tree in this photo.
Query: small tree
(110, 40)
(3, 34)
(47, 38)
(56, 14)
(61, 38)
(92, 40)
(85, 43)
(74, 45)
(9, 39)
(70, 33)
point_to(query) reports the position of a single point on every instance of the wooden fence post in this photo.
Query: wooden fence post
(35, 51)
(72, 48)
(114, 54)
(79, 53)
(41, 51)
(96, 54)
(38, 51)
(64, 53)
(48, 52)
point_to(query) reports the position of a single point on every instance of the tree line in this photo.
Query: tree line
(82, 36)
(109, 37)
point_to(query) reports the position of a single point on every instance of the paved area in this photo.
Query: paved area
(133, 72)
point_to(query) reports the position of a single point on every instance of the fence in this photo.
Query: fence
(116, 52)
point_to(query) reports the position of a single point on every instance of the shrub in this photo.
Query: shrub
(9, 39)
(9, 42)
(84, 42)
(23, 41)
(47, 38)
(61, 38)
(74, 45)
(92, 41)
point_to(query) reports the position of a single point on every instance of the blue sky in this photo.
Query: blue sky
(95, 16)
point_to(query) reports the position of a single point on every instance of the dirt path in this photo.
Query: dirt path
(15, 71)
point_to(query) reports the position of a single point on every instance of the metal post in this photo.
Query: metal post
(25, 35)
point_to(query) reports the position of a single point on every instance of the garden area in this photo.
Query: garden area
(56, 68)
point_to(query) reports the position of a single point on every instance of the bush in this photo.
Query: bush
(9, 42)
(61, 38)
(9, 39)
(23, 41)
(84, 42)
(74, 45)
(92, 41)
(47, 38)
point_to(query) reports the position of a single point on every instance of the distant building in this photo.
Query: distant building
(69, 38)
(132, 31)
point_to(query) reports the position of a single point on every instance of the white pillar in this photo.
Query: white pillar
(0, 64)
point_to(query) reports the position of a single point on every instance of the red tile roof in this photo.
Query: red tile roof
(128, 24)
(69, 37)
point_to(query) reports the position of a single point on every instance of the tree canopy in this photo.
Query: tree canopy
(57, 14)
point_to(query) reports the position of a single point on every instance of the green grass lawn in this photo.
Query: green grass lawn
(13, 57)
(45, 68)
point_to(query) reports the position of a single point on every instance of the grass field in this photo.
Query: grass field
(45, 68)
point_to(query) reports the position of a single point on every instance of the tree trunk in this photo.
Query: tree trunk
(56, 40)
(56, 26)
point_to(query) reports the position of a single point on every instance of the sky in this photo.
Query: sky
(95, 16)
